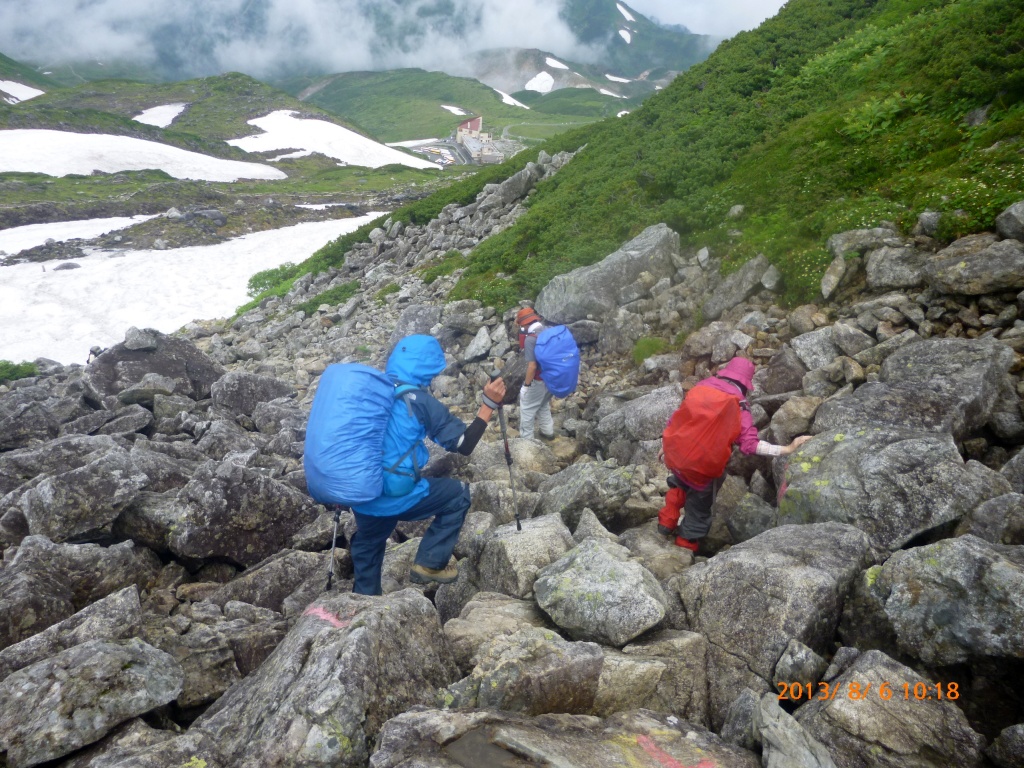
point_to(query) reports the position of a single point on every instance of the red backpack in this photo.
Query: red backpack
(698, 439)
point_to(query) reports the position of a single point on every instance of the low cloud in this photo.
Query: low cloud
(719, 18)
(278, 37)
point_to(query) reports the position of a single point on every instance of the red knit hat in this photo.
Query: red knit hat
(739, 370)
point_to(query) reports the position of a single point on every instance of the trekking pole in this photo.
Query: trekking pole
(334, 545)
(508, 455)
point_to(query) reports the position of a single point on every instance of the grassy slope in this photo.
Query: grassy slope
(791, 120)
(404, 104)
(15, 70)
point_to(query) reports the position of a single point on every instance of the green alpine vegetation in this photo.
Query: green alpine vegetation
(20, 73)
(833, 115)
(13, 371)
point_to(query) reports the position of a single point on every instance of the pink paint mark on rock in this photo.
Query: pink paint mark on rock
(666, 759)
(322, 613)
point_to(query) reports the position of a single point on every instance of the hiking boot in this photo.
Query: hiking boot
(420, 574)
(548, 438)
(690, 544)
(664, 530)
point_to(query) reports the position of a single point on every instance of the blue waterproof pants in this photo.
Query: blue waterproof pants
(447, 502)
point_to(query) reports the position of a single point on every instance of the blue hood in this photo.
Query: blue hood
(416, 360)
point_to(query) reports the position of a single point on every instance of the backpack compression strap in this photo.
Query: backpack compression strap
(403, 391)
(744, 406)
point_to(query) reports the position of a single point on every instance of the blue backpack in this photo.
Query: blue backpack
(559, 360)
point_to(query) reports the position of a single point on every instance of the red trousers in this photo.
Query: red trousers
(673, 509)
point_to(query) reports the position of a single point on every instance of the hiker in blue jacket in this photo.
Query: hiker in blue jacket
(415, 361)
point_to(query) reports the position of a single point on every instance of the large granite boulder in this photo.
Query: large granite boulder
(999, 267)
(232, 511)
(24, 421)
(415, 319)
(892, 268)
(892, 483)
(951, 602)
(816, 349)
(511, 559)
(998, 521)
(349, 664)
(271, 581)
(83, 499)
(241, 392)
(591, 291)
(874, 732)
(67, 701)
(596, 593)
(1010, 223)
(751, 601)
(149, 351)
(440, 739)
(859, 241)
(681, 688)
(785, 743)
(486, 616)
(736, 288)
(533, 671)
(1007, 749)
(601, 487)
(944, 385)
(643, 418)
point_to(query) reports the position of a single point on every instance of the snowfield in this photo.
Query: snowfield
(623, 113)
(17, 92)
(18, 239)
(555, 63)
(162, 116)
(609, 93)
(59, 153)
(615, 79)
(624, 12)
(509, 100)
(60, 315)
(282, 130)
(542, 83)
(413, 143)
(292, 155)
(455, 110)
(624, 33)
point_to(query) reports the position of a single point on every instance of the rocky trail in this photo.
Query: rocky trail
(161, 590)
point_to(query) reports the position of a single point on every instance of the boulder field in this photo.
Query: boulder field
(856, 604)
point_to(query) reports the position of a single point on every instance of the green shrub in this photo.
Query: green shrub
(449, 263)
(387, 290)
(270, 278)
(339, 294)
(648, 347)
(11, 371)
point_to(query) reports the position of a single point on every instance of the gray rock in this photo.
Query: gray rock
(749, 602)
(592, 290)
(786, 744)
(24, 421)
(126, 738)
(517, 185)
(533, 671)
(772, 279)
(235, 512)
(996, 268)
(270, 582)
(859, 241)
(736, 288)
(889, 268)
(126, 364)
(799, 664)
(415, 319)
(655, 551)
(629, 682)
(478, 347)
(997, 521)
(643, 418)
(892, 483)
(350, 664)
(1013, 471)
(116, 617)
(596, 593)
(740, 720)
(589, 527)
(1010, 223)
(603, 488)
(242, 392)
(851, 340)
(152, 384)
(585, 331)
(877, 355)
(682, 687)
(272, 417)
(874, 732)
(511, 559)
(486, 616)
(619, 332)
(751, 517)
(223, 437)
(56, 706)
(785, 373)
(943, 385)
(443, 739)
(927, 223)
(951, 602)
(833, 276)
(134, 418)
(816, 349)
(794, 418)
(191, 747)
(83, 499)
(1007, 751)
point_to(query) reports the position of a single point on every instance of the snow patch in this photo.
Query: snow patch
(18, 92)
(555, 63)
(18, 239)
(542, 83)
(623, 113)
(59, 153)
(624, 12)
(624, 34)
(161, 116)
(62, 314)
(609, 93)
(318, 206)
(413, 143)
(509, 100)
(615, 79)
(292, 155)
(282, 130)
(455, 110)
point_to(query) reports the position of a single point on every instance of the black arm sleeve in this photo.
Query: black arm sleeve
(472, 436)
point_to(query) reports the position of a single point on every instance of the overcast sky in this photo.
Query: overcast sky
(721, 18)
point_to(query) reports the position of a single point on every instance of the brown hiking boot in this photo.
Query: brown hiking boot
(420, 574)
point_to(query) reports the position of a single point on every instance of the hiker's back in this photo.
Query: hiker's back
(698, 439)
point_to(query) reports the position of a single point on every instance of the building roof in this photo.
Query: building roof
(473, 124)
(475, 145)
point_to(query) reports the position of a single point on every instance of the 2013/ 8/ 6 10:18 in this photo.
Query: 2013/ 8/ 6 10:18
(856, 691)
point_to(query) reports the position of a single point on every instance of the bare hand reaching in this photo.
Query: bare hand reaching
(792, 447)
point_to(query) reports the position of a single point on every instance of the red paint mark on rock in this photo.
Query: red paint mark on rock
(666, 759)
(321, 613)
